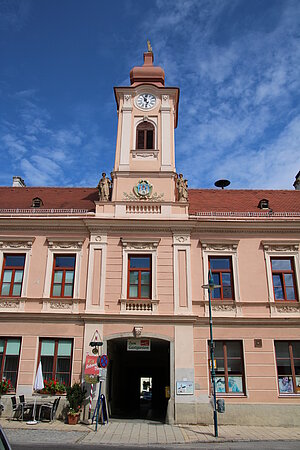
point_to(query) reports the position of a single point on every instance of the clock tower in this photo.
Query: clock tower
(144, 176)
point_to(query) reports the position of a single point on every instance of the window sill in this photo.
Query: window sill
(228, 306)
(60, 304)
(231, 395)
(145, 154)
(12, 303)
(286, 301)
(289, 395)
(279, 307)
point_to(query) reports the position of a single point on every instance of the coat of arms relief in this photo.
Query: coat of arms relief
(143, 190)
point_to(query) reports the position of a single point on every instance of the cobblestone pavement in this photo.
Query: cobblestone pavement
(141, 433)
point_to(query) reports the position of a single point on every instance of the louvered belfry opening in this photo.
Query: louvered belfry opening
(145, 136)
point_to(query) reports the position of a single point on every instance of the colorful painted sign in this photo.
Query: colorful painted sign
(91, 367)
(91, 370)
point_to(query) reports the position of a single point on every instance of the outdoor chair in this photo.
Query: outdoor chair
(49, 410)
(17, 409)
(27, 407)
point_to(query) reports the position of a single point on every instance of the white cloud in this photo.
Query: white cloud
(40, 171)
(16, 147)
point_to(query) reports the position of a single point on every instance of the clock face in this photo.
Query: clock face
(146, 101)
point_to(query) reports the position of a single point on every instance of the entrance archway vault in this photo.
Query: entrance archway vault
(126, 397)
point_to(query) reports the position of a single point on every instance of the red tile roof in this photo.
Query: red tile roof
(229, 200)
(200, 200)
(52, 197)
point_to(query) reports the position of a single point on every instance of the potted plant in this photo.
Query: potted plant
(5, 386)
(53, 387)
(75, 397)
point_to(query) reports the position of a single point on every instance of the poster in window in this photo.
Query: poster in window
(298, 385)
(285, 385)
(220, 384)
(235, 384)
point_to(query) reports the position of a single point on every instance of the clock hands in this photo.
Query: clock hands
(146, 101)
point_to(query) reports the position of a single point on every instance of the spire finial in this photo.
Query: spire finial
(149, 46)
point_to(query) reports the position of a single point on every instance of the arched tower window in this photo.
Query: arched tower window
(145, 136)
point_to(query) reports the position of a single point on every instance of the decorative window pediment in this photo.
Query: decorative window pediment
(64, 243)
(9, 242)
(140, 244)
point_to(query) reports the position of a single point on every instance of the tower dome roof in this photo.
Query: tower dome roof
(148, 73)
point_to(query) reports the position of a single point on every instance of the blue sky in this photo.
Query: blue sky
(237, 63)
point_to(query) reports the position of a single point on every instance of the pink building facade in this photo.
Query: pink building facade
(129, 260)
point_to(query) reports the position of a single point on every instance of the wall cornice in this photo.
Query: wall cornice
(85, 224)
(151, 319)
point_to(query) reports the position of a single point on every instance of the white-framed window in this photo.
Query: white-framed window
(61, 248)
(282, 266)
(222, 258)
(229, 367)
(14, 271)
(288, 366)
(56, 356)
(145, 139)
(139, 247)
(142, 137)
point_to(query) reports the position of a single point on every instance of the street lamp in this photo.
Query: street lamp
(210, 287)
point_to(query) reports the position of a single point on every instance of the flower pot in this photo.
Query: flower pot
(73, 419)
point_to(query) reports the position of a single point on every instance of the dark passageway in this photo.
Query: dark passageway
(137, 380)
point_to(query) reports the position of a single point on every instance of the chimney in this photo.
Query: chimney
(18, 182)
(297, 182)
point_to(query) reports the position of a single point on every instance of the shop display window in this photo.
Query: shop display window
(288, 366)
(229, 367)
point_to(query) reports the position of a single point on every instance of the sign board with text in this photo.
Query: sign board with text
(91, 370)
(184, 387)
(138, 345)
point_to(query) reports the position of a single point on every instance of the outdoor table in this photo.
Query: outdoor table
(38, 404)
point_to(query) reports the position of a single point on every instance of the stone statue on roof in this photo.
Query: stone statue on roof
(104, 186)
(182, 188)
(297, 182)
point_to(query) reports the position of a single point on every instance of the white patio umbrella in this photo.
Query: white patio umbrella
(37, 386)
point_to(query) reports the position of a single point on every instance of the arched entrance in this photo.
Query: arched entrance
(137, 380)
